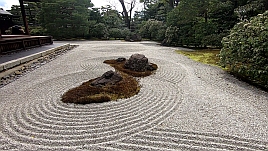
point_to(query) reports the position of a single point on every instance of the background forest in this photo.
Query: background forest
(175, 22)
(238, 27)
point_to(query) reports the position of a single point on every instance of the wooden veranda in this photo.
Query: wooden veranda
(10, 43)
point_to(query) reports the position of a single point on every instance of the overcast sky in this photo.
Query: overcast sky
(6, 4)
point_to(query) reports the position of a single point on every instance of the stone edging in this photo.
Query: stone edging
(17, 68)
(14, 63)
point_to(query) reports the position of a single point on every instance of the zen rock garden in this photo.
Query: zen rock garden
(113, 85)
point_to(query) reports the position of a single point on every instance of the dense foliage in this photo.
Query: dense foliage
(245, 50)
(199, 23)
(192, 23)
(153, 30)
(65, 18)
(227, 24)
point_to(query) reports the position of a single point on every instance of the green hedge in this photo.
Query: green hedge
(245, 50)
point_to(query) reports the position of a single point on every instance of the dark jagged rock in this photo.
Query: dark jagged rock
(138, 62)
(150, 67)
(121, 59)
(109, 77)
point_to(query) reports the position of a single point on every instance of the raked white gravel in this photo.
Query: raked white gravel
(185, 105)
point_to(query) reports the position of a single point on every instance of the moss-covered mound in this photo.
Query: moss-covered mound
(120, 66)
(86, 93)
(127, 87)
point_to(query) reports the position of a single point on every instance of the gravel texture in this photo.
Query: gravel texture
(32, 65)
(185, 105)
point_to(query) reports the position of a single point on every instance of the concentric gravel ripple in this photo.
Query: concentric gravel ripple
(169, 139)
(45, 121)
(33, 117)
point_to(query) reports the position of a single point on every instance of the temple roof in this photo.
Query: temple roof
(3, 12)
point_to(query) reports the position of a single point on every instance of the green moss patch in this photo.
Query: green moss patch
(126, 88)
(205, 56)
(86, 93)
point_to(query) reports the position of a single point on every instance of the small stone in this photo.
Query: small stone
(40, 59)
(18, 73)
(121, 59)
(6, 77)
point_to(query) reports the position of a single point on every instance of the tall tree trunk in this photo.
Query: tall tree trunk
(171, 3)
(206, 17)
(126, 17)
(266, 5)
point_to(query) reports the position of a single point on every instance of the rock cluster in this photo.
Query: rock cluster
(28, 67)
(109, 77)
(139, 63)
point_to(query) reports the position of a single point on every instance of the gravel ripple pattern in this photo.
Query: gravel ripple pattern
(185, 105)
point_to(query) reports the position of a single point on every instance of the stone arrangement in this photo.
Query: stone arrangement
(139, 63)
(107, 87)
(185, 106)
(109, 77)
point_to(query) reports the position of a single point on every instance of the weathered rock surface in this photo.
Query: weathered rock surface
(121, 59)
(138, 62)
(109, 77)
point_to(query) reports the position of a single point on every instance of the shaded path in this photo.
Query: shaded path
(184, 106)
(24, 53)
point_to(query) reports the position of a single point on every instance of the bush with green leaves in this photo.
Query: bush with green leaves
(171, 36)
(37, 31)
(153, 30)
(99, 30)
(115, 33)
(125, 32)
(213, 40)
(245, 50)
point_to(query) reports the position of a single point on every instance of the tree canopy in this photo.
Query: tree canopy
(194, 23)
(65, 18)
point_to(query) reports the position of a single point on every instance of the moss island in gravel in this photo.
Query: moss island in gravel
(112, 85)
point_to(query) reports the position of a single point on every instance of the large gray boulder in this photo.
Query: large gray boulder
(137, 62)
(109, 77)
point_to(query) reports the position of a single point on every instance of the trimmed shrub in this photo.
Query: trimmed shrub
(171, 36)
(245, 50)
(115, 33)
(99, 31)
(125, 32)
(153, 30)
(37, 31)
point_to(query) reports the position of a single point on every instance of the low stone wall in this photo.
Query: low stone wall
(14, 63)
(17, 68)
